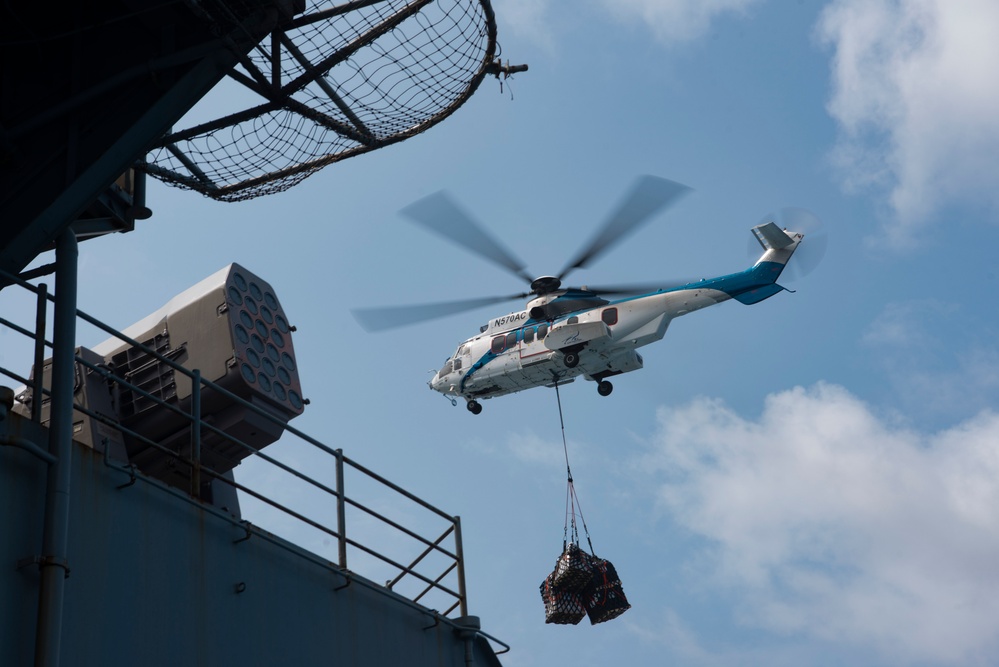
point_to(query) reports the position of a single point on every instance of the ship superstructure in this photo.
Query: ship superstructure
(124, 539)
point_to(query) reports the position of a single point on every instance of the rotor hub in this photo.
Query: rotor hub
(545, 285)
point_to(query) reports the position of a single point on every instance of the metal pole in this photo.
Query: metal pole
(53, 562)
(37, 395)
(460, 555)
(341, 512)
(196, 433)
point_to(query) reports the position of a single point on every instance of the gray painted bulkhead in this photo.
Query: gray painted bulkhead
(157, 580)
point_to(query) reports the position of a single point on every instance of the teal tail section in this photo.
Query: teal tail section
(760, 282)
(758, 294)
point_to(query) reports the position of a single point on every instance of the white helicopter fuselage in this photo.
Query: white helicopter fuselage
(563, 335)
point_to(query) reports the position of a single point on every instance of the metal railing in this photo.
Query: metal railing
(419, 557)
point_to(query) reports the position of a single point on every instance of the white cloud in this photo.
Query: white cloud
(935, 371)
(832, 524)
(903, 323)
(532, 449)
(915, 98)
(673, 634)
(676, 20)
(528, 18)
(671, 21)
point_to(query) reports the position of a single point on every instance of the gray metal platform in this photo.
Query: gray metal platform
(156, 579)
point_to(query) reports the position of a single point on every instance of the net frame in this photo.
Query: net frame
(336, 81)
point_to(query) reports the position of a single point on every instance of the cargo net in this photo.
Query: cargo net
(333, 82)
(582, 584)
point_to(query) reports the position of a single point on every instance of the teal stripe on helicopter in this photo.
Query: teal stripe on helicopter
(485, 359)
(749, 287)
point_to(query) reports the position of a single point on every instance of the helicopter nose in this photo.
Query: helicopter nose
(442, 384)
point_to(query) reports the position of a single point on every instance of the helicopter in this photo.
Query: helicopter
(566, 332)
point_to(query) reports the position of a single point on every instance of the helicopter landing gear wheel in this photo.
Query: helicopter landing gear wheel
(570, 358)
(604, 388)
(474, 407)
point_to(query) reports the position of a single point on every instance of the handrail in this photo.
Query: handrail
(299, 518)
(251, 529)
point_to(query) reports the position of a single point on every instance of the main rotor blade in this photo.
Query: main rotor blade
(379, 319)
(440, 214)
(648, 196)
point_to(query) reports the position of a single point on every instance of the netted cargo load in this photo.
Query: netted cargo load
(562, 607)
(573, 570)
(604, 596)
(581, 583)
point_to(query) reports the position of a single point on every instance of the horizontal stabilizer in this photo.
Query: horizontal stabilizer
(771, 237)
(759, 294)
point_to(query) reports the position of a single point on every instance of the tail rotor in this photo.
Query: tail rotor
(813, 248)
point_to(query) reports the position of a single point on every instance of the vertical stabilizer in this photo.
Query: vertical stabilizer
(772, 237)
(778, 246)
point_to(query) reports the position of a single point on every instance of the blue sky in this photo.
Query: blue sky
(810, 480)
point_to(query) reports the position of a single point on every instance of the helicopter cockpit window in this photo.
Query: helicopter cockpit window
(445, 369)
(529, 335)
(498, 345)
(457, 364)
(609, 316)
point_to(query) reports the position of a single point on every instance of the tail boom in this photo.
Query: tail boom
(760, 281)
